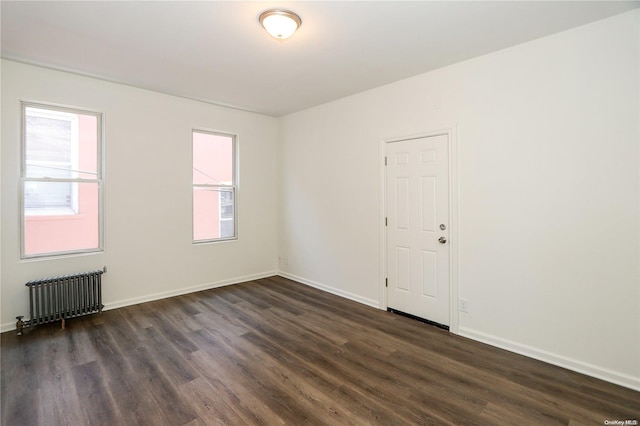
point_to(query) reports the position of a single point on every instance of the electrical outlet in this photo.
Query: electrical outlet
(463, 305)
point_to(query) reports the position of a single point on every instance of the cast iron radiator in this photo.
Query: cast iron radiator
(60, 298)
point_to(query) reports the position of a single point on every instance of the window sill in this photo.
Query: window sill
(50, 217)
(217, 240)
(60, 255)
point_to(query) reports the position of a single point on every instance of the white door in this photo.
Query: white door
(417, 191)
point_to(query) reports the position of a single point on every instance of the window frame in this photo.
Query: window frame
(233, 187)
(24, 179)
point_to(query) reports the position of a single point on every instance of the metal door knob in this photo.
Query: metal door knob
(442, 240)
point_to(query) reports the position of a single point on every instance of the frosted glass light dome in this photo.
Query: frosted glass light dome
(280, 23)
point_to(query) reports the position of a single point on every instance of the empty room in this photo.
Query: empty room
(320, 212)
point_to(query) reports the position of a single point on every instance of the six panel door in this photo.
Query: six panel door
(417, 191)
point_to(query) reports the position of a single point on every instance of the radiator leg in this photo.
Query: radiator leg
(19, 325)
(63, 323)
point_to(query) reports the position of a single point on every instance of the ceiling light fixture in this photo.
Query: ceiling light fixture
(280, 23)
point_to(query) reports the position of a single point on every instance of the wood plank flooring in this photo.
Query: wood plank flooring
(274, 351)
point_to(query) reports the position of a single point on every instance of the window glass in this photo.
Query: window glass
(61, 181)
(214, 189)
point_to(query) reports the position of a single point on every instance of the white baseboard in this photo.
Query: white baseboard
(531, 352)
(187, 290)
(555, 359)
(165, 294)
(528, 351)
(7, 326)
(332, 290)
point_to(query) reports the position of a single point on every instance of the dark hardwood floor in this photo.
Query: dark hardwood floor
(273, 352)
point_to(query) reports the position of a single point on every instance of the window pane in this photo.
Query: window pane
(52, 229)
(60, 144)
(227, 206)
(212, 159)
(48, 196)
(213, 216)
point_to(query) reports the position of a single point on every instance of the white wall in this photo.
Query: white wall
(548, 155)
(148, 249)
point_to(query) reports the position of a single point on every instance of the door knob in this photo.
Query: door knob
(442, 240)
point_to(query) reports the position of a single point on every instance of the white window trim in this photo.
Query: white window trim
(99, 179)
(233, 186)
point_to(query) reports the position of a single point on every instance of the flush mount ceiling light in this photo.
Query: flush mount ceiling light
(280, 23)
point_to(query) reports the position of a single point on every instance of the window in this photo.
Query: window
(214, 186)
(226, 214)
(61, 178)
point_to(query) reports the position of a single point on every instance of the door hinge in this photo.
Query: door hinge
(385, 222)
(386, 282)
(385, 161)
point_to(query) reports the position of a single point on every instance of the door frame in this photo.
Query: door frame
(450, 132)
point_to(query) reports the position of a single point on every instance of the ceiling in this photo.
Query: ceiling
(216, 51)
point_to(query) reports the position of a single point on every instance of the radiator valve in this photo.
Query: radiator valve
(19, 324)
